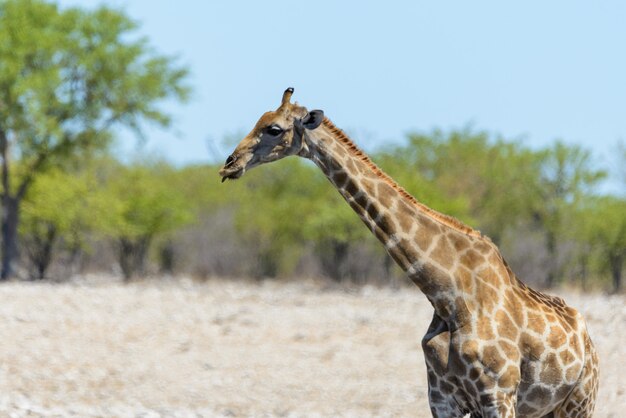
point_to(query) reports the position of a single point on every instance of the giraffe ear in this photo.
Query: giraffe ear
(313, 119)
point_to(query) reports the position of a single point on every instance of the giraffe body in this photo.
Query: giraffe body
(495, 347)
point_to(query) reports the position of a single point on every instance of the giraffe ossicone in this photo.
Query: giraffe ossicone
(495, 347)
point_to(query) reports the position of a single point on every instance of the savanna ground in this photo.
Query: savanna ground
(96, 347)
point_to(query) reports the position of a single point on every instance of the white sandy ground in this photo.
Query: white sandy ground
(96, 348)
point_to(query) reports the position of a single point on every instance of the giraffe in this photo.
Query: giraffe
(495, 347)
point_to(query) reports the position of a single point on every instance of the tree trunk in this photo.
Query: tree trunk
(584, 262)
(387, 265)
(132, 256)
(125, 258)
(616, 261)
(166, 258)
(267, 265)
(10, 220)
(42, 253)
(76, 260)
(332, 257)
(553, 261)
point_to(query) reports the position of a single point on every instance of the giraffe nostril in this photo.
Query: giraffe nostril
(231, 159)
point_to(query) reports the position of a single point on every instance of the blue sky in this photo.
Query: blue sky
(534, 70)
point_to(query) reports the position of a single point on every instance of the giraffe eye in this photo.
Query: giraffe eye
(274, 130)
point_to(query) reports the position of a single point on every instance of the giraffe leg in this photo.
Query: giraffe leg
(441, 406)
(436, 346)
(582, 400)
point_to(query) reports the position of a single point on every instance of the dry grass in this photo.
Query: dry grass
(97, 348)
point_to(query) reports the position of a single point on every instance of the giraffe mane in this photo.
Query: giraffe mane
(438, 216)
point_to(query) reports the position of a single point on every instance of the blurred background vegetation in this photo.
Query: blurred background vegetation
(70, 78)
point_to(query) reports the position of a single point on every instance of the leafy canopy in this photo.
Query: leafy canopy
(67, 76)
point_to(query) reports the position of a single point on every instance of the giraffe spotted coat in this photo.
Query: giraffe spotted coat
(495, 347)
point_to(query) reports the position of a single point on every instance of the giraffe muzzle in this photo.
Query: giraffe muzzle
(229, 171)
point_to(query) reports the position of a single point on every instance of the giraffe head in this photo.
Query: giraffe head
(276, 135)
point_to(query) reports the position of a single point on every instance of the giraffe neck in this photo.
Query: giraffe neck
(424, 243)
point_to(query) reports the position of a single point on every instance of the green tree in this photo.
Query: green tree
(498, 185)
(283, 196)
(607, 235)
(417, 168)
(331, 228)
(67, 78)
(480, 180)
(144, 204)
(566, 176)
(60, 207)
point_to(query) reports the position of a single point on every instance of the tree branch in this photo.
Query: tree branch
(43, 156)
(4, 145)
